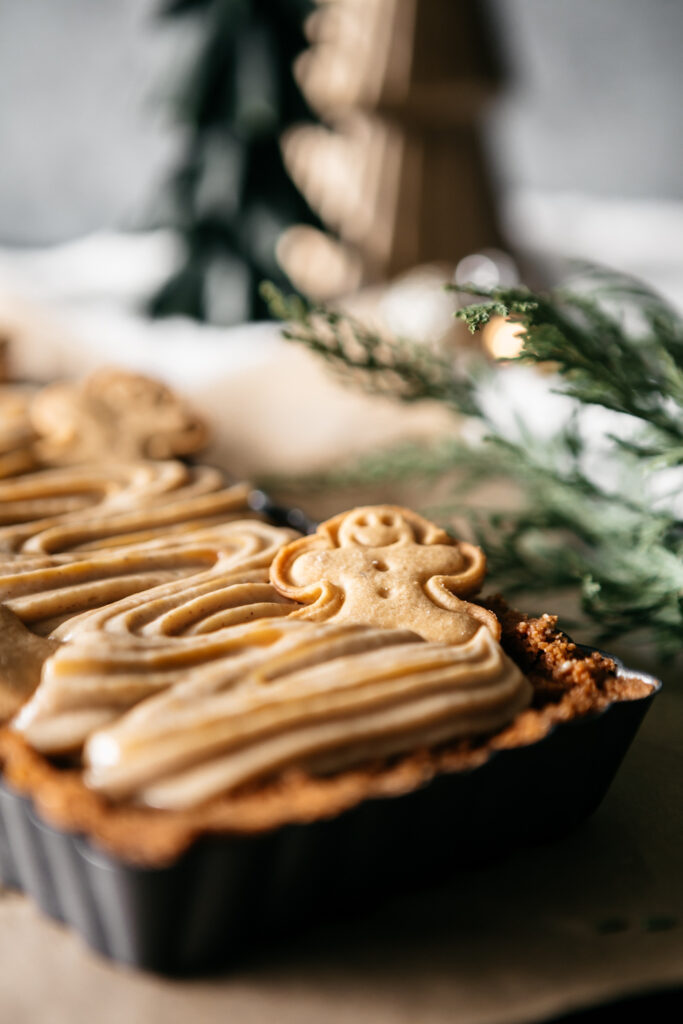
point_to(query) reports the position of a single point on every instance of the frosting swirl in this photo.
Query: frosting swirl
(187, 660)
(53, 598)
(61, 513)
(323, 697)
(128, 649)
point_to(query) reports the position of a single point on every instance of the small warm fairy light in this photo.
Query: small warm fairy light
(503, 338)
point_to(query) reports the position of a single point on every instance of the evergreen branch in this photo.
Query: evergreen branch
(398, 368)
(604, 361)
(618, 545)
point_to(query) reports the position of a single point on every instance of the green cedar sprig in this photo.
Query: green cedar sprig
(614, 344)
(388, 366)
(629, 360)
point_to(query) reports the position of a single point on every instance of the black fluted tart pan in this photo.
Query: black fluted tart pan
(229, 893)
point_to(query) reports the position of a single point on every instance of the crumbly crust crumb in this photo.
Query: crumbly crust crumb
(567, 683)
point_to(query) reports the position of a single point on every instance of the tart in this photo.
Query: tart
(203, 695)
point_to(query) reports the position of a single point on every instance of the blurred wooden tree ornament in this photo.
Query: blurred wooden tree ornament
(400, 175)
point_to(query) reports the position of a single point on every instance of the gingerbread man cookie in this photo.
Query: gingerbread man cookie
(386, 566)
(114, 415)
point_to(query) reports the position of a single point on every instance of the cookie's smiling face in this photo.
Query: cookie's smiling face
(386, 567)
(374, 528)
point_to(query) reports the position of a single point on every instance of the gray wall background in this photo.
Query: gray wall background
(592, 104)
(595, 97)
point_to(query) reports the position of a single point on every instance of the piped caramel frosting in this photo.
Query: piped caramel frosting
(54, 598)
(321, 697)
(61, 513)
(188, 661)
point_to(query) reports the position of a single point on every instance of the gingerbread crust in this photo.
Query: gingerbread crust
(566, 682)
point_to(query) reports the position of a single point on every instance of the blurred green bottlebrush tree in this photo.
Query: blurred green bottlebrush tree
(230, 197)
